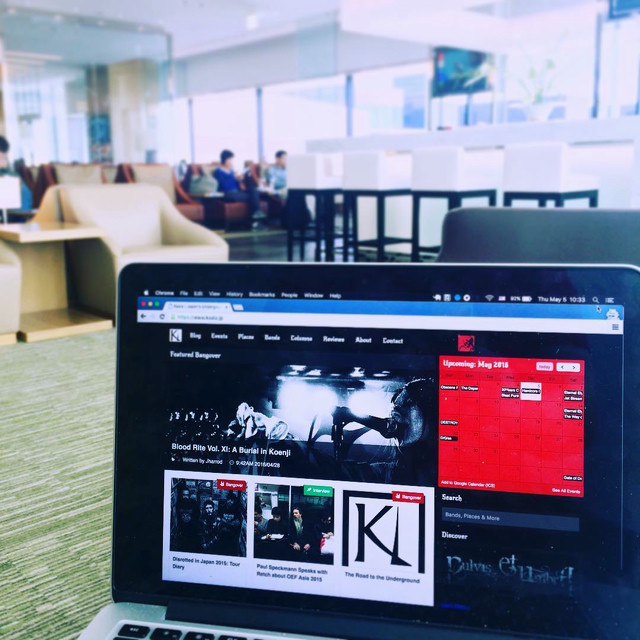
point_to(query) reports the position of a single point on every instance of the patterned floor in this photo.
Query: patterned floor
(56, 459)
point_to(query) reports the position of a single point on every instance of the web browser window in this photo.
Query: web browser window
(451, 451)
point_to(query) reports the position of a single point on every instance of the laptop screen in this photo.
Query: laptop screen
(442, 445)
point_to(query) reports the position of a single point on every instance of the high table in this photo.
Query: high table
(351, 213)
(324, 227)
(44, 306)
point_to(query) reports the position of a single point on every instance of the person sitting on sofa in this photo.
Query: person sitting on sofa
(229, 184)
(277, 174)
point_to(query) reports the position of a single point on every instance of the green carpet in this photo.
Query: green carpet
(56, 460)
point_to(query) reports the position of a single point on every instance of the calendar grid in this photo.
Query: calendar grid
(514, 424)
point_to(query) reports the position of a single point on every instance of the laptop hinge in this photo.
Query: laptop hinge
(301, 622)
(250, 617)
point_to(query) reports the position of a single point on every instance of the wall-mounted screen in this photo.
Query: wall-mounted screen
(459, 71)
(622, 8)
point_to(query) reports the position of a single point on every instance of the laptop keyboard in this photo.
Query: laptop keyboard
(131, 630)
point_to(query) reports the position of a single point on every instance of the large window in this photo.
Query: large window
(173, 120)
(78, 91)
(295, 113)
(550, 75)
(226, 120)
(620, 67)
(393, 98)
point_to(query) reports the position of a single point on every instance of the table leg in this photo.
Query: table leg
(346, 214)
(380, 209)
(415, 229)
(290, 243)
(330, 226)
(356, 237)
(44, 281)
(320, 223)
(455, 201)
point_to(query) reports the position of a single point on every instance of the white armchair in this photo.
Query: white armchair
(141, 224)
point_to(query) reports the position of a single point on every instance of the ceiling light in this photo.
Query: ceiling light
(251, 21)
(28, 55)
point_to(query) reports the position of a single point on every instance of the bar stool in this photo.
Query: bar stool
(379, 175)
(442, 173)
(540, 172)
(316, 175)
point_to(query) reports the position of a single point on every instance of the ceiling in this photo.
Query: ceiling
(198, 26)
(195, 25)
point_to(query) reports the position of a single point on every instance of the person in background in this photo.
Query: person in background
(5, 170)
(276, 187)
(229, 184)
(277, 175)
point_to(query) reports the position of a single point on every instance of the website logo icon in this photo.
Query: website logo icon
(466, 344)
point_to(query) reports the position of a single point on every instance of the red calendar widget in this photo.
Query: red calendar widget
(511, 424)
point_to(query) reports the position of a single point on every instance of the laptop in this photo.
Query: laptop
(376, 451)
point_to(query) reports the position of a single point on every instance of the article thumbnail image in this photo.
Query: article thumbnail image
(205, 519)
(360, 424)
(293, 524)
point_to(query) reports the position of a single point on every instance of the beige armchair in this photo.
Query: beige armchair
(10, 280)
(163, 176)
(142, 225)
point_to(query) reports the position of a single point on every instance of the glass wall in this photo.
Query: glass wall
(391, 99)
(80, 90)
(550, 76)
(226, 120)
(297, 112)
(620, 70)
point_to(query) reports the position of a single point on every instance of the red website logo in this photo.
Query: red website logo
(466, 344)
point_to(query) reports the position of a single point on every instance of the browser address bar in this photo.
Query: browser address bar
(203, 314)
(197, 307)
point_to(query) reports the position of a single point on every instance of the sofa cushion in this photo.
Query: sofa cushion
(78, 173)
(182, 253)
(158, 174)
(192, 211)
(130, 215)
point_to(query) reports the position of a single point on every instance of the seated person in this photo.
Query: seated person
(277, 175)
(276, 525)
(300, 536)
(276, 182)
(229, 184)
(259, 521)
(5, 170)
